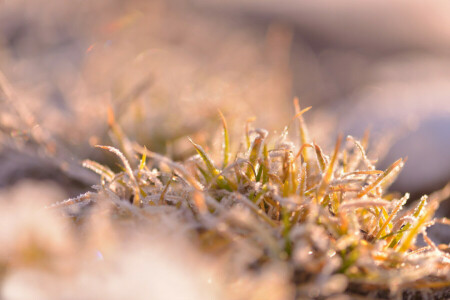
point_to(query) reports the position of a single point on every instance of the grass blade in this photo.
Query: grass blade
(255, 151)
(326, 179)
(99, 169)
(204, 156)
(406, 242)
(399, 163)
(129, 171)
(392, 215)
(210, 168)
(226, 141)
(320, 158)
(304, 136)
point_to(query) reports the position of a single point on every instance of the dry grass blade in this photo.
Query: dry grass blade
(122, 140)
(255, 209)
(126, 164)
(364, 203)
(301, 112)
(444, 220)
(327, 176)
(88, 196)
(300, 152)
(371, 172)
(99, 169)
(178, 168)
(320, 157)
(362, 151)
(398, 163)
(302, 183)
(166, 188)
(442, 194)
(122, 157)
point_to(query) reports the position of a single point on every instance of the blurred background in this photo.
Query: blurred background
(164, 67)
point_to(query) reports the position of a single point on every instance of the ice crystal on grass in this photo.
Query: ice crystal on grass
(324, 221)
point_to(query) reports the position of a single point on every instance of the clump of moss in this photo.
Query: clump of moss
(327, 218)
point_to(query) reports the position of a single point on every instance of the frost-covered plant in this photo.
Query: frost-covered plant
(327, 219)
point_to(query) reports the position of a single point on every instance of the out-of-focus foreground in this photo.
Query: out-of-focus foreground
(162, 69)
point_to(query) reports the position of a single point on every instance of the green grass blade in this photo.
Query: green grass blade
(226, 141)
(393, 241)
(247, 133)
(265, 165)
(392, 215)
(204, 174)
(204, 156)
(255, 151)
(211, 171)
(304, 136)
(143, 161)
(415, 229)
